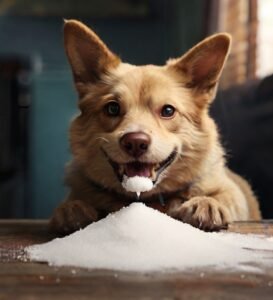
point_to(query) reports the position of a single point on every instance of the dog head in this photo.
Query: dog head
(149, 121)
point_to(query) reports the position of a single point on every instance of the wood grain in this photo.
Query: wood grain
(28, 281)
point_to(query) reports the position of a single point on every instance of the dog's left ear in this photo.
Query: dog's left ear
(202, 66)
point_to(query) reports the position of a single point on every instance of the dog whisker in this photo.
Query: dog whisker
(187, 155)
(103, 139)
(121, 132)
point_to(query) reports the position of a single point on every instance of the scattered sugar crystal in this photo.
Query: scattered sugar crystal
(138, 238)
(137, 184)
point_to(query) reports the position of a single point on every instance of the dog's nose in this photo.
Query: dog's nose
(135, 143)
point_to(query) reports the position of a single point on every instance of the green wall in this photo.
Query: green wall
(52, 109)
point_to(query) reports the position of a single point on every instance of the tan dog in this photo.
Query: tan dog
(150, 121)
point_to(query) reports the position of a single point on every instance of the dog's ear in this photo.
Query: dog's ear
(88, 56)
(202, 66)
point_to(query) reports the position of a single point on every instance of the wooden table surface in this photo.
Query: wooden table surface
(27, 280)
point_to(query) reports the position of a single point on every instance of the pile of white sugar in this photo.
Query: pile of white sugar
(138, 238)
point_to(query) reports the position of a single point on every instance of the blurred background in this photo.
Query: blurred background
(38, 100)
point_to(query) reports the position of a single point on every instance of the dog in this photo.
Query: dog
(149, 121)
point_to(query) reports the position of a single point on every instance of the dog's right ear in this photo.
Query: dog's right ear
(88, 56)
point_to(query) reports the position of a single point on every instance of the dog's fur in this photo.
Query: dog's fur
(197, 187)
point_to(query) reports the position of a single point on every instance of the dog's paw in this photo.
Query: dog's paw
(205, 213)
(71, 216)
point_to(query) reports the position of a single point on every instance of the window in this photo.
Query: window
(265, 38)
(250, 23)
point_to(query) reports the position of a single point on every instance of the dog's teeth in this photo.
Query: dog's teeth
(153, 174)
(121, 169)
(138, 194)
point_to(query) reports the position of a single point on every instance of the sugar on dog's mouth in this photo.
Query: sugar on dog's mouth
(142, 169)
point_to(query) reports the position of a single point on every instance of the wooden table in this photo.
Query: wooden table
(27, 280)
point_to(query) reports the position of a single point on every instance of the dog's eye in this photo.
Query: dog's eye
(167, 111)
(112, 109)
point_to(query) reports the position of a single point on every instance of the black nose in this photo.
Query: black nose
(135, 143)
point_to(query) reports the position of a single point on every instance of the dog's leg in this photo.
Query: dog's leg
(72, 215)
(213, 211)
(203, 212)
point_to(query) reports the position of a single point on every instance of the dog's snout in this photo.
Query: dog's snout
(135, 143)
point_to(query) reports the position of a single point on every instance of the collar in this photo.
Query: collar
(158, 201)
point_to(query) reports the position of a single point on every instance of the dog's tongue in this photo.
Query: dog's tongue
(138, 169)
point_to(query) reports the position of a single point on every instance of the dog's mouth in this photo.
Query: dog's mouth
(142, 169)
